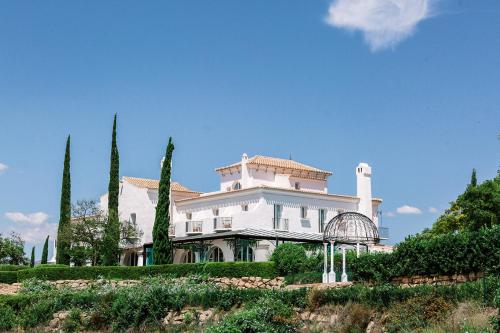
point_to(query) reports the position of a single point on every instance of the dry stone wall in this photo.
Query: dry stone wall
(408, 281)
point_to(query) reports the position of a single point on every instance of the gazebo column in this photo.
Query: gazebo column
(325, 268)
(344, 274)
(357, 250)
(331, 276)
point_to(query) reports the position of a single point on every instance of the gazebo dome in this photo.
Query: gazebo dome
(351, 228)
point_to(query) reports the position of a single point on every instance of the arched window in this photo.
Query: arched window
(189, 257)
(216, 255)
(237, 186)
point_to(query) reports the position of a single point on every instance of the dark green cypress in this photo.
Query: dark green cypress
(32, 261)
(111, 246)
(162, 247)
(45, 252)
(63, 231)
(473, 178)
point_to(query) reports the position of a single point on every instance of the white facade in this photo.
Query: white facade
(261, 194)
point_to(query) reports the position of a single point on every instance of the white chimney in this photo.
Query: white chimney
(364, 189)
(245, 177)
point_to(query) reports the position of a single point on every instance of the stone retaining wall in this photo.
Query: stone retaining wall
(436, 279)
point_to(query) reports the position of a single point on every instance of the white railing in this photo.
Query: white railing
(280, 224)
(194, 227)
(171, 230)
(223, 223)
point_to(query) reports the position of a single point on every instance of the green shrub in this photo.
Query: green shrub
(73, 323)
(8, 277)
(446, 254)
(226, 269)
(265, 315)
(7, 318)
(289, 258)
(4, 268)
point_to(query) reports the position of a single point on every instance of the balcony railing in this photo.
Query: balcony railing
(194, 227)
(383, 233)
(171, 231)
(223, 223)
(280, 224)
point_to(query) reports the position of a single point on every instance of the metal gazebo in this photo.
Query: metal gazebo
(348, 228)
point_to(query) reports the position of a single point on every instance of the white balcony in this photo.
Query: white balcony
(194, 227)
(280, 224)
(171, 231)
(222, 224)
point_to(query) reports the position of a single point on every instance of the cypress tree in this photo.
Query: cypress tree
(45, 252)
(473, 178)
(111, 246)
(63, 231)
(162, 248)
(32, 261)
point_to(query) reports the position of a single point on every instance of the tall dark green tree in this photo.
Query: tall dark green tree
(111, 244)
(473, 178)
(32, 261)
(162, 247)
(45, 252)
(64, 229)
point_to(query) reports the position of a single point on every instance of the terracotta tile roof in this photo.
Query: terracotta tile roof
(276, 163)
(155, 184)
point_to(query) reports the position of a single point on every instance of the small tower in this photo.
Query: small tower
(245, 177)
(364, 189)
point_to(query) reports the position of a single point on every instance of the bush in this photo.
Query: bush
(289, 258)
(8, 277)
(447, 254)
(304, 278)
(226, 269)
(4, 268)
(7, 318)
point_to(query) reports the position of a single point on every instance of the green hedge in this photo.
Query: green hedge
(8, 277)
(226, 269)
(8, 268)
(448, 254)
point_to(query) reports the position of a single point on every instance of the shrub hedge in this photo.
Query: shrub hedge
(447, 254)
(216, 269)
(5, 268)
(8, 277)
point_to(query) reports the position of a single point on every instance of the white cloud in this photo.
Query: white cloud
(384, 23)
(3, 167)
(406, 209)
(433, 210)
(391, 214)
(32, 219)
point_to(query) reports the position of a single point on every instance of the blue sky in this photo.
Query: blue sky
(418, 98)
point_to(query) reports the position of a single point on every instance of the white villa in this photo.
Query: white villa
(261, 202)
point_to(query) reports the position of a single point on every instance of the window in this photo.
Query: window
(189, 216)
(216, 255)
(189, 257)
(297, 185)
(215, 211)
(278, 209)
(245, 253)
(303, 212)
(133, 218)
(237, 186)
(244, 208)
(321, 219)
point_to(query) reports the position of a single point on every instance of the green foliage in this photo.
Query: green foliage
(477, 207)
(304, 278)
(219, 269)
(266, 315)
(456, 253)
(8, 277)
(12, 250)
(32, 260)
(289, 258)
(45, 251)
(111, 249)
(7, 318)
(416, 313)
(162, 247)
(4, 268)
(63, 231)
(73, 323)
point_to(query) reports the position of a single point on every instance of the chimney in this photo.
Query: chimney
(364, 189)
(245, 177)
